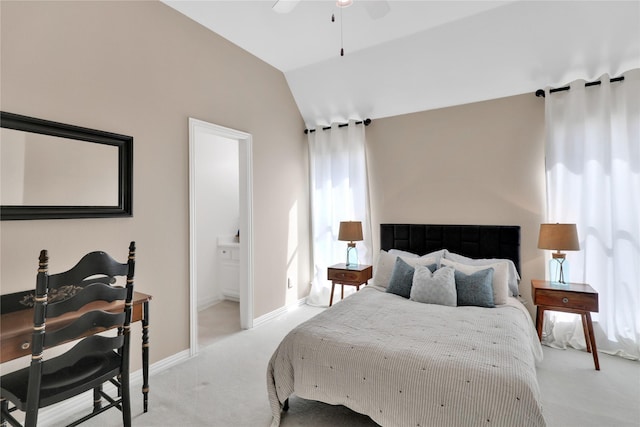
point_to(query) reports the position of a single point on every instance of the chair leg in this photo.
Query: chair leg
(125, 401)
(4, 408)
(31, 418)
(97, 398)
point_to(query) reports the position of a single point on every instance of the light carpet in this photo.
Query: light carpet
(225, 386)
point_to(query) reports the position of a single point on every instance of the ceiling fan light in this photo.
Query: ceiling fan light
(344, 3)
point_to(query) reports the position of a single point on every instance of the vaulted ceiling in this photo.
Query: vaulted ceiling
(407, 56)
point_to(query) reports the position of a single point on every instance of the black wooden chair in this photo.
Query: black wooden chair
(95, 359)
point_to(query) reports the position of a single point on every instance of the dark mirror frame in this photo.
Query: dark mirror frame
(125, 170)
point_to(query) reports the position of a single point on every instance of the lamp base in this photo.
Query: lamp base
(352, 256)
(558, 285)
(559, 271)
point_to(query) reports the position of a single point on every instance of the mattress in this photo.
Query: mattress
(405, 363)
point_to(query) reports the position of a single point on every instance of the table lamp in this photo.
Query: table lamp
(558, 237)
(351, 231)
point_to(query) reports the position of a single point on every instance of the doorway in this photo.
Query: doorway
(212, 235)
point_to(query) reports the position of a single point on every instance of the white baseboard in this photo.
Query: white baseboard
(163, 364)
(231, 297)
(212, 302)
(275, 313)
(59, 412)
(205, 303)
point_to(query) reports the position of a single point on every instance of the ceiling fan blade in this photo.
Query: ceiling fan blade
(284, 6)
(377, 8)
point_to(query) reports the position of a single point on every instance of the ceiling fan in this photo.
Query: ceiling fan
(375, 8)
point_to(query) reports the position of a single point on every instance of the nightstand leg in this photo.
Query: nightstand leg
(333, 285)
(585, 328)
(539, 319)
(341, 291)
(594, 349)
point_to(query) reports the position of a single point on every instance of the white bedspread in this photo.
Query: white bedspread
(405, 363)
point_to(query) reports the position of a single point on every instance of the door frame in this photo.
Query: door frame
(245, 149)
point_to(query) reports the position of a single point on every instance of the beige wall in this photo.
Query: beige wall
(480, 163)
(140, 68)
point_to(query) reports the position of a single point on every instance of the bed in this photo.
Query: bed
(409, 363)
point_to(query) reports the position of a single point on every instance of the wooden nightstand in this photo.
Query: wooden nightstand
(578, 298)
(354, 275)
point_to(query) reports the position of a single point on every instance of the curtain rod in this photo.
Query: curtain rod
(540, 92)
(366, 122)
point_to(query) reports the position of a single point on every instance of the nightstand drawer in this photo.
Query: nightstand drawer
(348, 276)
(571, 300)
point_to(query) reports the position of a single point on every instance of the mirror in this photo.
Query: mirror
(51, 170)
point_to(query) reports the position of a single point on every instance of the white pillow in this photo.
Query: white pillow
(386, 261)
(404, 254)
(434, 288)
(514, 277)
(500, 277)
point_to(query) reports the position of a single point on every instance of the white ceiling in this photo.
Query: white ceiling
(422, 55)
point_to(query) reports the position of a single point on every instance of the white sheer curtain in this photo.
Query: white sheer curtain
(339, 192)
(593, 180)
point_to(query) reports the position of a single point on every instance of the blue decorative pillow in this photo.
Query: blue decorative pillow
(402, 278)
(475, 289)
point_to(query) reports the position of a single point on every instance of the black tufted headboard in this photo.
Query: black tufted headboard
(474, 241)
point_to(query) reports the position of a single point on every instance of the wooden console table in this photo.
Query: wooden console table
(16, 328)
